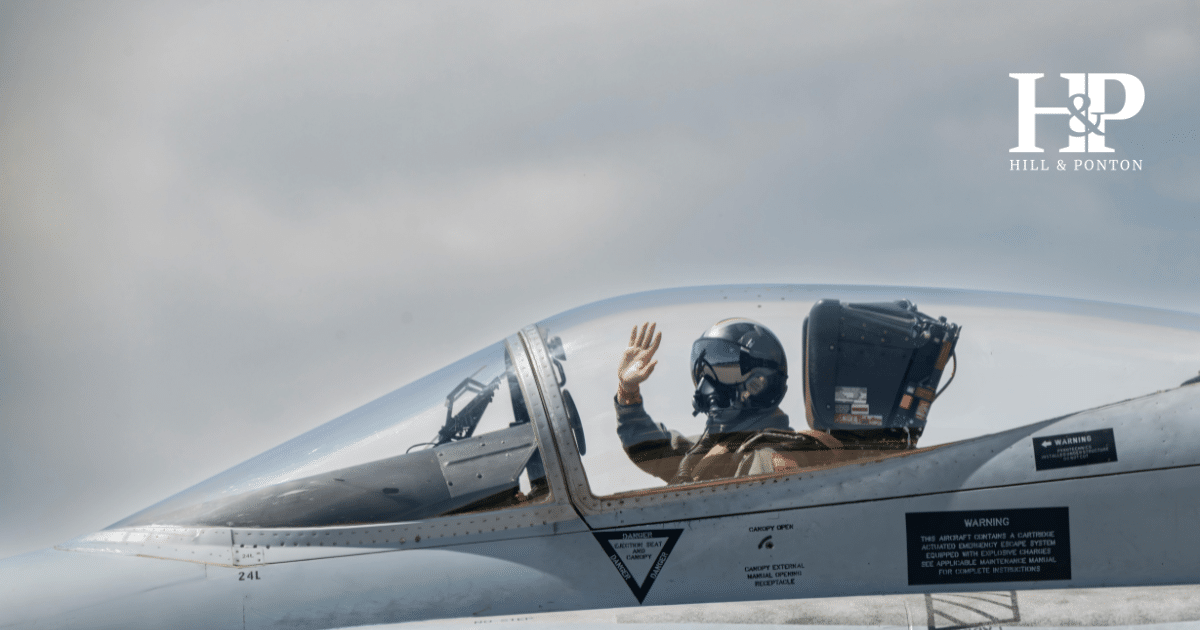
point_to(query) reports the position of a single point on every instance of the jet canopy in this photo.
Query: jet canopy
(537, 419)
(458, 440)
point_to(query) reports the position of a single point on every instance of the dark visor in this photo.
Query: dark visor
(727, 361)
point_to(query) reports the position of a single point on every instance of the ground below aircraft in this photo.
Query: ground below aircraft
(1054, 485)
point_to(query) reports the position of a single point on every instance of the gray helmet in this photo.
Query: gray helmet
(737, 365)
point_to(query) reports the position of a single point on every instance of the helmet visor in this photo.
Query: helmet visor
(720, 359)
(725, 361)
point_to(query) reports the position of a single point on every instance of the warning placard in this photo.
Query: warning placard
(1019, 545)
(639, 555)
(1074, 449)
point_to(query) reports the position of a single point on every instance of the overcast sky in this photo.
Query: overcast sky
(222, 224)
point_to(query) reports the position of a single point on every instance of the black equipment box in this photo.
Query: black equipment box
(873, 366)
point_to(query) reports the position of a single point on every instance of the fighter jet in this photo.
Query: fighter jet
(750, 456)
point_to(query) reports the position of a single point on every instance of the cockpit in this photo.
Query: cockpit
(534, 420)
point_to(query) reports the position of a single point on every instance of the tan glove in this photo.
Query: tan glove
(636, 363)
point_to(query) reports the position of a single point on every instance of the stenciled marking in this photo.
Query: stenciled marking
(1074, 449)
(1013, 545)
(623, 547)
(774, 574)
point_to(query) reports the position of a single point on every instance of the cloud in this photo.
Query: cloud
(222, 224)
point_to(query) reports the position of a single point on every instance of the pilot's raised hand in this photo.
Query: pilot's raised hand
(637, 363)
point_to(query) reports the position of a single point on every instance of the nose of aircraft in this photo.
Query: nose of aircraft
(55, 589)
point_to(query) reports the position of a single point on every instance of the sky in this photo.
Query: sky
(222, 224)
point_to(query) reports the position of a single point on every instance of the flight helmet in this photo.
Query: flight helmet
(738, 366)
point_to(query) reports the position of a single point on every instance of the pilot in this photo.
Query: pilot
(740, 373)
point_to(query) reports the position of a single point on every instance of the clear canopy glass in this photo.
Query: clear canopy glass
(1019, 359)
(458, 440)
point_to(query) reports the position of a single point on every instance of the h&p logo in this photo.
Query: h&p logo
(1085, 105)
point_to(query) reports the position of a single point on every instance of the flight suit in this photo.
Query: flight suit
(716, 454)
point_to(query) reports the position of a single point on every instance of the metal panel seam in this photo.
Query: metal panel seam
(897, 497)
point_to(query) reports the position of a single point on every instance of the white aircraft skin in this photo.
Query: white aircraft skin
(973, 532)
